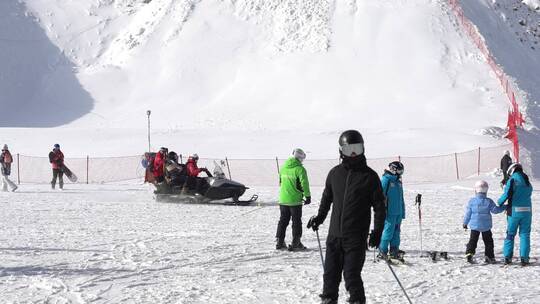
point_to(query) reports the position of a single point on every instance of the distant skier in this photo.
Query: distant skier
(56, 158)
(478, 218)
(392, 187)
(506, 161)
(159, 165)
(5, 161)
(294, 186)
(517, 192)
(352, 189)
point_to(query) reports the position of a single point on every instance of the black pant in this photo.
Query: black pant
(58, 173)
(286, 212)
(487, 237)
(347, 256)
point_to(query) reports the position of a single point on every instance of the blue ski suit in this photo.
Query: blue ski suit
(478, 213)
(395, 212)
(519, 215)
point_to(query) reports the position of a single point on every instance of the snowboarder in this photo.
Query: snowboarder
(352, 189)
(478, 219)
(395, 210)
(506, 161)
(294, 186)
(56, 158)
(5, 161)
(517, 192)
(159, 165)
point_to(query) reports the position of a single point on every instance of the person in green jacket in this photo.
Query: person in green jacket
(294, 186)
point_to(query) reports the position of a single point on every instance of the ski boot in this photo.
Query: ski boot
(524, 261)
(489, 260)
(469, 257)
(280, 244)
(443, 255)
(297, 245)
(328, 301)
(397, 255)
(382, 256)
(507, 261)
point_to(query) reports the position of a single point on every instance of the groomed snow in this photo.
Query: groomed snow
(114, 244)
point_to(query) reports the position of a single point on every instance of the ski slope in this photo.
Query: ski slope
(114, 244)
(254, 78)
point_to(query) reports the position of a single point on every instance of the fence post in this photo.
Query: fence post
(87, 167)
(181, 161)
(399, 158)
(18, 170)
(457, 168)
(478, 161)
(228, 168)
(277, 166)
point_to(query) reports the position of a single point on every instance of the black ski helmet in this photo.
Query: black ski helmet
(172, 156)
(351, 141)
(396, 168)
(350, 137)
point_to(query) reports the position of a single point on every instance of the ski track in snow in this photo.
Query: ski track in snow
(114, 244)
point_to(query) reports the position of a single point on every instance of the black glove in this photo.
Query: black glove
(314, 223)
(374, 238)
(465, 226)
(308, 200)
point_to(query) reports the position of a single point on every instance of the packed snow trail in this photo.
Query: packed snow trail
(113, 243)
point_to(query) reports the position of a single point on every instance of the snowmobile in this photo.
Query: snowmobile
(215, 188)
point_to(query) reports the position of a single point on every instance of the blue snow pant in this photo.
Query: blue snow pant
(391, 234)
(523, 223)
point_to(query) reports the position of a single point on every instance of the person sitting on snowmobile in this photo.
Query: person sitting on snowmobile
(175, 173)
(159, 165)
(395, 210)
(56, 158)
(194, 182)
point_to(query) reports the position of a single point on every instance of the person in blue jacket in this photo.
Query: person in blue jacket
(517, 192)
(395, 209)
(478, 218)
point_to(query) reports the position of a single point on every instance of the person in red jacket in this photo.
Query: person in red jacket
(159, 164)
(56, 158)
(5, 163)
(193, 171)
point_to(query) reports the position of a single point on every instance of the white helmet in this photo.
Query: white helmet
(481, 186)
(299, 154)
(507, 152)
(513, 168)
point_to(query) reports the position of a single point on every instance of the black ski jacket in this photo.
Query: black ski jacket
(353, 188)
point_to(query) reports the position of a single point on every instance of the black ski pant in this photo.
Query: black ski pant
(58, 174)
(487, 237)
(286, 212)
(344, 256)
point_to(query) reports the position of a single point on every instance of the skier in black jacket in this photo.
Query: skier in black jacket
(352, 188)
(506, 161)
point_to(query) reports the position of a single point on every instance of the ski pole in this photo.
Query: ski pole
(397, 279)
(320, 248)
(419, 203)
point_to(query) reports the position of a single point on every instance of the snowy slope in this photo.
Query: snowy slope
(512, 32)
(255, 78)
(113, 244)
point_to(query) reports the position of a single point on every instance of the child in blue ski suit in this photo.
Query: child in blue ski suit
(395, 209)
(517, 192)
(478, 218)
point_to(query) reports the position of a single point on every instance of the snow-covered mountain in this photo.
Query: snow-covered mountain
(254, 78)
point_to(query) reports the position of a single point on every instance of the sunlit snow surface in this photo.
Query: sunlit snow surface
(115, 244)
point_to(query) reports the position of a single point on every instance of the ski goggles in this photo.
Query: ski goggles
(352, 150)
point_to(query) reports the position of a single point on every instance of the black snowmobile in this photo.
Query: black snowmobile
(215, 189)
